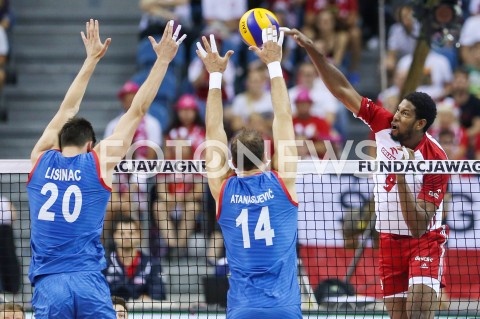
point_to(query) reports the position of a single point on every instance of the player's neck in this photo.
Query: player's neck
(413, 142)
(70, 151)
(250, 172)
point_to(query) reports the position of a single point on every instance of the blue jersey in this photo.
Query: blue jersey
(67, 201)
(259, 220)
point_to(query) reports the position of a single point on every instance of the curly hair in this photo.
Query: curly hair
(425, 107)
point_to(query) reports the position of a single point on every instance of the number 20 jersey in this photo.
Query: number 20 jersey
(67, 201)
(259, 220)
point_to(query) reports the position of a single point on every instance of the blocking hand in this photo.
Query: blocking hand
(93, 45)
(167, 48)
(209, 55)
(272, 45)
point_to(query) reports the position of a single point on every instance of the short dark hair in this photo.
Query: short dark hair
(76, 132)
(425, 107)
(124, 218)
(116, 300)
(252, 141)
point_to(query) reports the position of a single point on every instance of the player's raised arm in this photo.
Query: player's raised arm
(285, 157)
(331, 76)
(71, 103)
(113, 149)
(216, 152)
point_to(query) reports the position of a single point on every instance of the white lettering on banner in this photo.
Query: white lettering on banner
(324, 198)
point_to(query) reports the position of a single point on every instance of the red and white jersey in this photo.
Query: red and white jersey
(428, 187)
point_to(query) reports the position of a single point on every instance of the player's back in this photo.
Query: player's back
(67, 206)
(259, 224)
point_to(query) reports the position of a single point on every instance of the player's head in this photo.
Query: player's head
(126, 232)
(413, 117)
(77, 132)
(248, 150)
(120, 306)
(11, 310)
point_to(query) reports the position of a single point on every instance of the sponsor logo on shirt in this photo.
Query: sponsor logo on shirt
(428, 259)
(435, 194)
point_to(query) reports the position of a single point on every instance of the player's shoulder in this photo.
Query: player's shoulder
(431, 149)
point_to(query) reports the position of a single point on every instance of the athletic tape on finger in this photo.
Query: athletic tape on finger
(274, 35)
(201, 49)
(269, 34)
(177, 32)
(213, 44)
(284, 29)
(181, 39)
(280, 38)
(264, 35)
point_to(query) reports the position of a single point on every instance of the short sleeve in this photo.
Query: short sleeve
(434, 188)
(376, 117)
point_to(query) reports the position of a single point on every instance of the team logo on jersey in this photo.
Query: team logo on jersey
(435, 194)
(389, 155)
(427, 259)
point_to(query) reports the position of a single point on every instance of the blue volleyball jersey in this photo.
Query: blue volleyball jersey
(68, 200)
(259, 220)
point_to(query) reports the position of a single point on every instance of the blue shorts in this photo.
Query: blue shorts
(288, 312)
(73, 295)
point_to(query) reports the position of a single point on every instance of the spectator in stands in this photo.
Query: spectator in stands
(229, 13)
(447, 125)
(129, 191)
(402, 37)
(329, 40)
(469, 34)
(120, 306)
(156, 14)
(5, 23)
(325, 105)
(131, 273)
(255, 99)
(390, 97)
(347, 17)
(467, 103)
(311, 128)
(437, 74)
(11, 310)
(177, 205)
(198, 75)
(187, 125)
(473, 67)
(10, 272)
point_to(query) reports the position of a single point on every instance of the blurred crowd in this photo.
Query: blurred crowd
(177, 210)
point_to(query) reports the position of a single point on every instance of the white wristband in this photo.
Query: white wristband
(215, 80)
(275, 69)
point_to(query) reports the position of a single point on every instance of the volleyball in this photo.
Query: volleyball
(252, 23)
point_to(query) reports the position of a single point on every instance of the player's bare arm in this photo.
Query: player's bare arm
(285, 157)
(216, 151)
(416, 212)
(115, 147)
(71, 103)
(335, 81)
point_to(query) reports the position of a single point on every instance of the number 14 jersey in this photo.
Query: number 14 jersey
(259, 220)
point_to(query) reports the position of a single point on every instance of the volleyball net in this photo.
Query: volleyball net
(178, 266)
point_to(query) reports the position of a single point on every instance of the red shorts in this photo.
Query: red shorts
(405, 261)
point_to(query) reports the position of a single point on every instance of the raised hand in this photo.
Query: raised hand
(93, 45)
(167, 48)
(301, 39)
(211, 59)
(272, 45)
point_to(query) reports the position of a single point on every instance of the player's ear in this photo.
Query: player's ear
(421, 124)
(89, 146)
